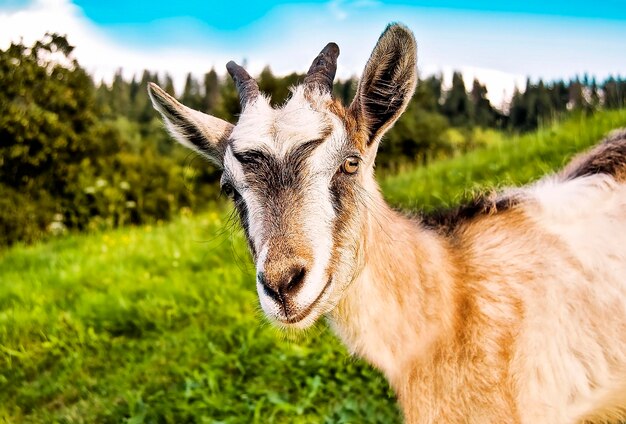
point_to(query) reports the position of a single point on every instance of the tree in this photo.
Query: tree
(168, 86)
(142, 106)
(192, 96)
(418, 135)
(483, 114)
(518, 115)
(48, 126)
(120, 99)
(72, 162)
(211, 91)
(457, 107)
(345, 90)
(229, 106)
(559, 96)
(594, 95)
(577, 99)
(543, 104)
(277, 88)
(433, 86)
(611, 93)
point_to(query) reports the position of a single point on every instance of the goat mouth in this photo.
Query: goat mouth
(307, 311)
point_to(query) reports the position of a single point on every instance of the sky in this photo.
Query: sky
(500, 43)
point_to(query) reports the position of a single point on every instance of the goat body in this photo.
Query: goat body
(512, 315)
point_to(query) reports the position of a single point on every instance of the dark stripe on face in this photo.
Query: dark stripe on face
(250, 159)
(298, 156)
(278, 185)
(336, 190)
(343, 195)
(242, 210)
(271, 178)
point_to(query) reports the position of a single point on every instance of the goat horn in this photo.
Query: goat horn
(323, 68)
(247, 87)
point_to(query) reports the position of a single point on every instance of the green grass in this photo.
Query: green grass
(511, 161)
(161, 324)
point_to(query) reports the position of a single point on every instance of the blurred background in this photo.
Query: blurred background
(126, 291)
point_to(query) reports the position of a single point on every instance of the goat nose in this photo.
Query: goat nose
(284, 283)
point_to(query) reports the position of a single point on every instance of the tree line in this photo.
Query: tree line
(439, 120)
(76, 154)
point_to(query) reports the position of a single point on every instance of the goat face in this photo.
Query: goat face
(301, 175)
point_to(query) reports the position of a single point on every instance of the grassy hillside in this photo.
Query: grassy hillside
(513, 161)
(161, 324)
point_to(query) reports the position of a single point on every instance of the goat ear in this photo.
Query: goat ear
(198, 131)
(387, 84)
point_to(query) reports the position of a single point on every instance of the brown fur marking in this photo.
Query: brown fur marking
(609, 157)
(448, 220)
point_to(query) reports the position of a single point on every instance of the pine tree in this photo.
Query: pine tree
(229, 106)
(429, 93)
(594, 96)
(543, 104)
(268, 85)
(457, 106)
(483, 113)
(211, 91)
(120, 94)
(345, 90)
(559, 96)
(519, 113)
(142, 104)
(577, 99)
(168, 86)
(192, 96)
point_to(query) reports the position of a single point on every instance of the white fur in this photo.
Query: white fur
(278, 131)
(587, 215)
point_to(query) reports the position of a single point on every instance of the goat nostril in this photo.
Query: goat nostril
(296, 280)
(282, 285)
(267, 288)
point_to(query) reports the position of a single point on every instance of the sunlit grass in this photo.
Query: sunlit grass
(161, 323)
(514, 160)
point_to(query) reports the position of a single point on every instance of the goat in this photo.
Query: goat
(511, 309)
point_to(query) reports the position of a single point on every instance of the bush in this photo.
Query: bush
(24, 217)
(63, 166)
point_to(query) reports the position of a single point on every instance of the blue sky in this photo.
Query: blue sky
(222, 16)
(499, 42)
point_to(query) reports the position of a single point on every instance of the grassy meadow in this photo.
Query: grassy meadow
(161, 323)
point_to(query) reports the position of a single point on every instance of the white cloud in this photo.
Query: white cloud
(335, 7)
(97, 53)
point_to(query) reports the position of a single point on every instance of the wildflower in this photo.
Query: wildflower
(57, 228)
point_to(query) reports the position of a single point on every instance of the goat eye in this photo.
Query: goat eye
(350, 165)
(228, 190)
